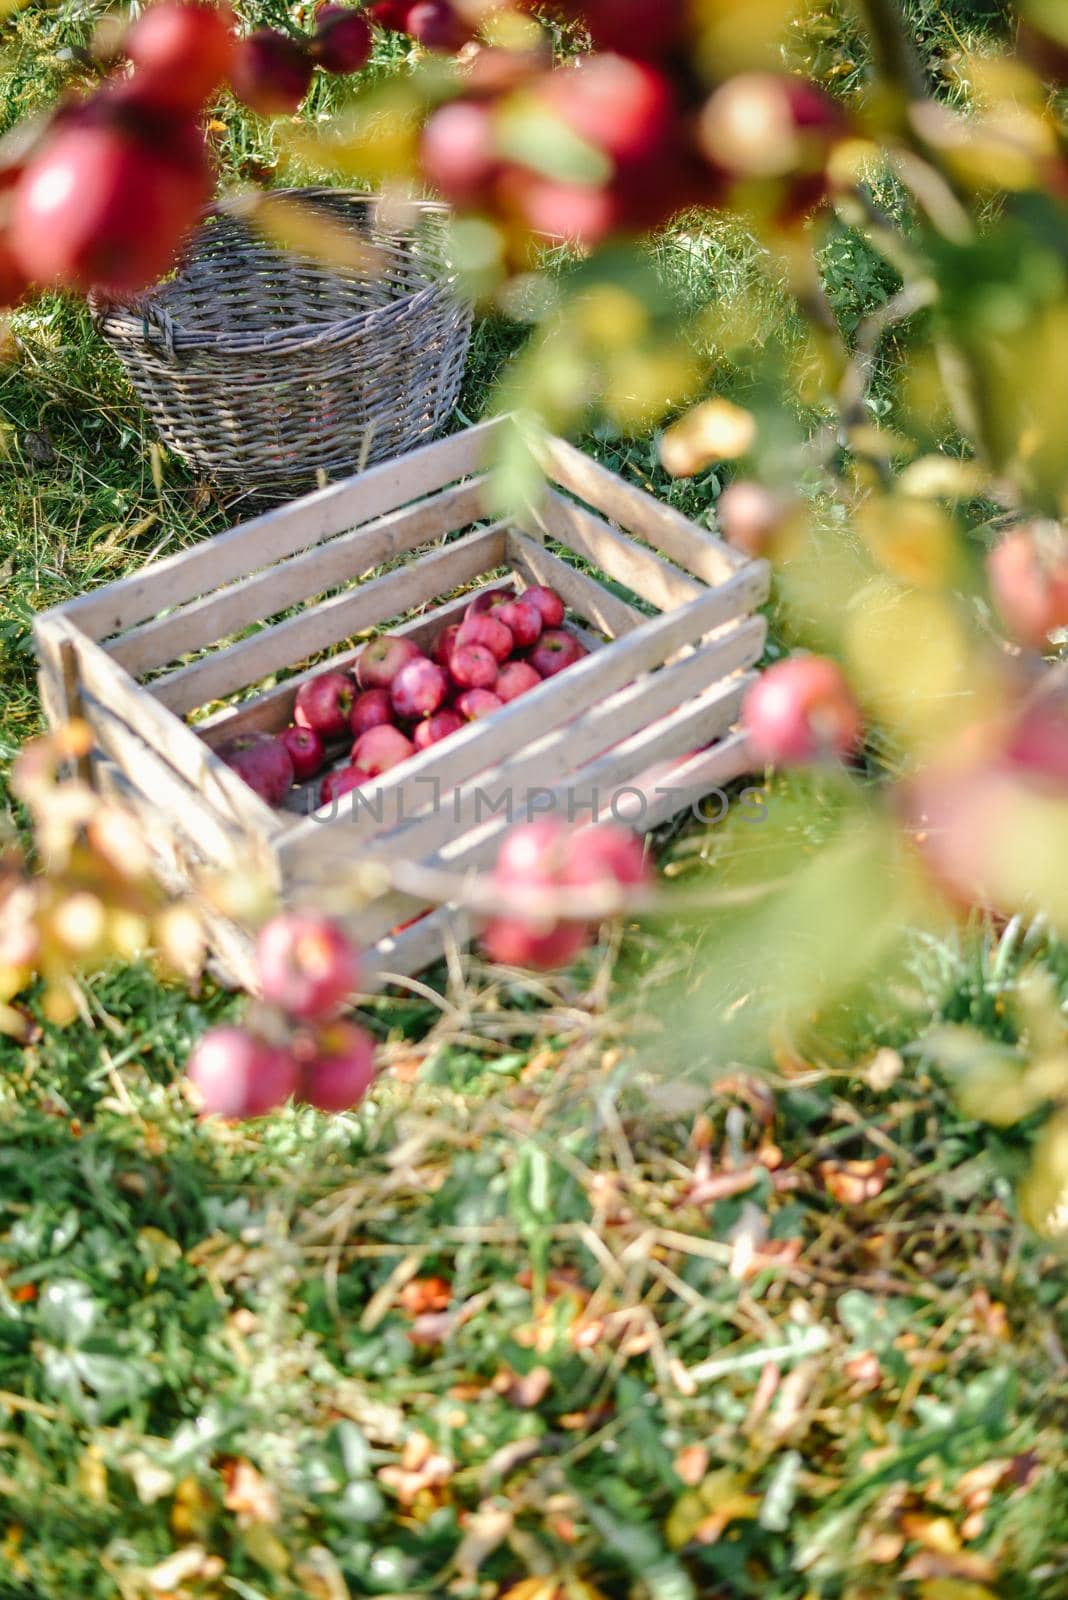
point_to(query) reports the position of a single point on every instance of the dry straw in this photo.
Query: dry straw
(268, 369)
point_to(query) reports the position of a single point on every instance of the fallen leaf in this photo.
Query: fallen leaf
(853, 1183)
(249, 1495)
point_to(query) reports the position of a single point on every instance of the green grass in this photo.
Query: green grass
(179, 1302)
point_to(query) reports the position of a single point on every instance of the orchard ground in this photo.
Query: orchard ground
(514, 1318)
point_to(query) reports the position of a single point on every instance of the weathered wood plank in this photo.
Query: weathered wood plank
(226, 671)
(589, 536)
(253, 545)
(639, 512)
(249, 600)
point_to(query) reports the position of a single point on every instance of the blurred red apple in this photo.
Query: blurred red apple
(236, 1074)
(458, 152)
(324, 704)
(437, 25)
(338, 1067)
(648, 29)
(799, 710)
(106, 201)
(749, 516)
(182, 53)
(305, 751)
(271, 72)
(1028, 573)
(342, 42)
(308, 966)
(263, 762)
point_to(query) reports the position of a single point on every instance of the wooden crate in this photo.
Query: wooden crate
(168, 664)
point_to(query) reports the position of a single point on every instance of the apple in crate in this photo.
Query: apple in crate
(436, 728)
(514, 679)
(523, 621)
(340, 782)
(305, 751)
(487, 630)
(380, 749)
(472, 666)
(371, 709)
(419, 689)
(476, 703)
(338, 1066)
(236, 1074)
(323, 704)
(546, 602)
(263, 762)
(381, 660)
(443, 644)
(555, 650)
(308, 967)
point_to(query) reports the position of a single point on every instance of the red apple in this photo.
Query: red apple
(646, 29)
(799, 710)
(305, 751)
(371, 709)
(773, 126)
(514, 679)
(263, 762)
(271, 72)
(391, 14)
(472, 666)
(338, 1067)
(1037, 740)
(474, 704)
(749, 516)
(436, 728)
(546, 602)
(436, 25)
(486, 629)
(418, 689)
(522, 619)
(340, 782)
(13, 281)
(458, 152)
(443, 644)
(235, 1074)
(105, 203)
(485, 601)
(380, 749)
(1028, 573)
(555, 650)
(182, 53)
(324, 703)
(308, 967)
(381, 660)
(342, 42)
(580, 213)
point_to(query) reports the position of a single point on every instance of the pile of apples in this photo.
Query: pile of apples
(295, 1045)
(398, 700)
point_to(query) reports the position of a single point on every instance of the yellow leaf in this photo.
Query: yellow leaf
(954, 1589)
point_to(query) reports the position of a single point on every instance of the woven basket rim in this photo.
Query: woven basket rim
(133, 318)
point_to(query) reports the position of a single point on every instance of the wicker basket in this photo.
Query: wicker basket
(266, 370)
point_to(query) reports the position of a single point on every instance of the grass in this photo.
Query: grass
(540, 1311)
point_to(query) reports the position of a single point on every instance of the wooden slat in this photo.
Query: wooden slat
(174, 742)
(621, 558)
(481, 745)
(185, 811)
(582, 594)
(406, 953)
(611, 787)
(272, 710)
(265, 594)
(58, 683)
(226, 671)
(269, 538)
(640, 513)
(541, 764)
